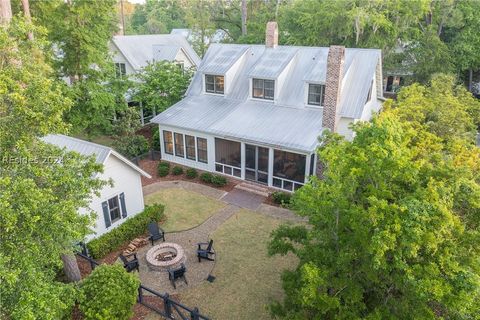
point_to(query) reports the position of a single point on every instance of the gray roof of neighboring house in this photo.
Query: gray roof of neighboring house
(287, 122)
(141, 49)
(87, 148)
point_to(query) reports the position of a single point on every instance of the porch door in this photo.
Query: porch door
(256, 163)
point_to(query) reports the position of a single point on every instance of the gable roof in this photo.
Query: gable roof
(141, 49)
(86, 148)
(284, 123)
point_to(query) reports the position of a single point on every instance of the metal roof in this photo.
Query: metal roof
(286, 122)
(86, 148)
(165, 52)
(139, 49)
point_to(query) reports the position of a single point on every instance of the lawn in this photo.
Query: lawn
(247, 278)
(184, 209)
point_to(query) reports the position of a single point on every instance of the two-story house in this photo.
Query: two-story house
(132, 53)
(255, 112)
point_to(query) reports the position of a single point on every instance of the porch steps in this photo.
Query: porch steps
(253, 188)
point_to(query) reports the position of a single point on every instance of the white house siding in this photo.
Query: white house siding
(210, 166)
(118, 57)
(125, 179)
(182, 57)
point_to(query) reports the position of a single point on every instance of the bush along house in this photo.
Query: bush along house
(255, 112)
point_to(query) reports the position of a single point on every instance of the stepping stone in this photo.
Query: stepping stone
(244, 199)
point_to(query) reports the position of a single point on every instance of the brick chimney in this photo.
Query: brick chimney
(333, 84)
(271, 35)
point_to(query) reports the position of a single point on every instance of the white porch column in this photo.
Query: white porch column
(242, 160)
(270, 167)
(307, 167)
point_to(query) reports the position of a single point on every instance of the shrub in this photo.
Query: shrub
(191, 173)
(176, 171)
(281, 198)
(128, 230)
(206, 177)
(156, 139)
(132, 145)
(219, 181)
(109, 292)
(163, 169)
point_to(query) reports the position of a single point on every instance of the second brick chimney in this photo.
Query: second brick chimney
(333, 86)
(271, 35)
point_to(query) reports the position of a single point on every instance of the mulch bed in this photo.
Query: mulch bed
(150, 166)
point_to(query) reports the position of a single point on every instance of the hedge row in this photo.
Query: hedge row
(130, 229)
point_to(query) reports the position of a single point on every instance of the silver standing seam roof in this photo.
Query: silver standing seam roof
(139, 50)
(286, 123)
(86, 148)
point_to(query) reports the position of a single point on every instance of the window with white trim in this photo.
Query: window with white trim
(167, 142)
(214, 84)
(263, 89)
(316, 94)
(179, 146)
(190, 147)
(202, 150)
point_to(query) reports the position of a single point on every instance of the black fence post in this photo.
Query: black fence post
(167, 305)
(195, 314)
(140, 294)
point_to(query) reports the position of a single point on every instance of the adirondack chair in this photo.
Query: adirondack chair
(156, 233)
(178, 273)
(205, 251)
(131, 264)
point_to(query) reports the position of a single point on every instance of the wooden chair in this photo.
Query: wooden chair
(205, 251)
(178, 273)
(131, 264)
(156, 233)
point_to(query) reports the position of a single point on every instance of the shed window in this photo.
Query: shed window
(179, 146)
(168, 142)
(263, 89)
(202, 150)
(214, 84)
(316, 94)
(114, 209)
(190, 146)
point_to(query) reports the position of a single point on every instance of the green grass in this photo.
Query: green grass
(184, 209)
(247, 278)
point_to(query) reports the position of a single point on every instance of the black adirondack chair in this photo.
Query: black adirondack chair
(205, 251)
(156, 233)
(129, 263)
(178, 273)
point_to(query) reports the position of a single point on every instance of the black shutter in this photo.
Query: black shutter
(106, 214)
(122, 203)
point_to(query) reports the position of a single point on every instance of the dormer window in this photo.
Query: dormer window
(316, 94)
(120, 70)
(214, 84)
(263, 89)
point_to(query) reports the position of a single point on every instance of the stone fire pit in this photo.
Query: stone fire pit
(164, 256)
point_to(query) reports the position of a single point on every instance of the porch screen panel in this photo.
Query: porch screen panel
(168, 142)
(190, 146)
(227, 152)
(179, 147)
(289, 165)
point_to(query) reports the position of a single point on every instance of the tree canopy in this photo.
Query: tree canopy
(395, 222)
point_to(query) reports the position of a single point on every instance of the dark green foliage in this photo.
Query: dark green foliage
(164, 164)
(191, 173)
(281, 198)
(109, 292)
(156, 139)
(206, 177)
(163, 168)
(127, 231)
(177, 170)
(218, 181)
(132, 145)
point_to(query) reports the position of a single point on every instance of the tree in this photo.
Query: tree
(395, 222)
(109, 293)
(156, 17)
(41, 187)
(162, 84)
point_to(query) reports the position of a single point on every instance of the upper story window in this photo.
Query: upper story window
(263, 89)
(214, 84)
(120, 70)
(316, 94)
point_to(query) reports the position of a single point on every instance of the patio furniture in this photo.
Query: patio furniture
(178, 273)
(156, 233)
(131, 264)
(205, 251)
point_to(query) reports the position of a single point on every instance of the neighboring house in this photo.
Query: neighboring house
(255, 112)
(218, 36)
(132, 53)
(118, 202)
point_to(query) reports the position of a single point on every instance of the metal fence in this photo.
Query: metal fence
(171, 309)
(151, 155)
